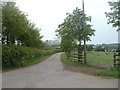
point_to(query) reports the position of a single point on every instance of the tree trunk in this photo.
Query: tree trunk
(79, 52)
(68, 54)
(85, 57)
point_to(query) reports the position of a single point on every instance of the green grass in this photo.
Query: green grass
(70, 62)
(100, 59)
(95, 60)
(28, 63)
(111, 73)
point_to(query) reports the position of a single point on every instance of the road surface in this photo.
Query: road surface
(51, 74)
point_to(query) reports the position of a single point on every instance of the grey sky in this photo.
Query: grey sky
(48, 14)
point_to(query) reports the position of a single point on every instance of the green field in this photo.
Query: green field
(100, 59)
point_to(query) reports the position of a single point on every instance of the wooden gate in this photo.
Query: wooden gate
(75, 57)
(117, 59)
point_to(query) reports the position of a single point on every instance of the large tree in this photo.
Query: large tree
(17, 29)
(14, 23)
(73, 29)
(65, 32)
(114, 15)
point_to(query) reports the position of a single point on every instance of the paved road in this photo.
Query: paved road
(51, 74)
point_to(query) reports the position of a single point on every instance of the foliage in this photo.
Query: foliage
(71, 30)
(89, 47)
(65, 60)
(114, 72)
(17, 29)
(98, 48)
(114, 15)
(15, 56)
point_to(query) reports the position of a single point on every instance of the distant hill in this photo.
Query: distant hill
(107, 46)
(111, 46)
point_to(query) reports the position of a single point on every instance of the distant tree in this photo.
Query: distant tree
(118, 49)
(98, 48)
(114, 15)
(89, 47)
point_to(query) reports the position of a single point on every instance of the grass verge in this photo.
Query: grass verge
(28, 63)
(111, 73)
(106, 73)
(70, 62)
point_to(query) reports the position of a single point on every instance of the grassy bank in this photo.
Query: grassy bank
(28, 63)
(70, 62)
(114, 72)
(107, 73)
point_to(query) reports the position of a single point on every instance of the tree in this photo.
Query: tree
(33, 37)
(83, 31)
(89, 47)
(67, 45)
(66, 35)
(73, 29)
(14, 23)
(17, 29)
(114, 15)
(98, 48)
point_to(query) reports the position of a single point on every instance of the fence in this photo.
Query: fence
(75, 57)
(117, 59)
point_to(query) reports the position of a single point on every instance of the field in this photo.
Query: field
(97, 59)
(100, 59)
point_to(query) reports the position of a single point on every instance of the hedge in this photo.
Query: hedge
(14, 56)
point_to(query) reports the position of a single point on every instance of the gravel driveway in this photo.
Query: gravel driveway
(51, 74)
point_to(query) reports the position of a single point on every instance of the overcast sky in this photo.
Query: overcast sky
(48, 14)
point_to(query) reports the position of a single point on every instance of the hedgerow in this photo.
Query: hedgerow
(14, 56)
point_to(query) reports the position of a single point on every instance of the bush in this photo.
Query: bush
(14, 56)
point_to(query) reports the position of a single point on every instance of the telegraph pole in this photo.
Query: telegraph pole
(85, 59)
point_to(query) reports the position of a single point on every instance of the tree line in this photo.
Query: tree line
(17, 29)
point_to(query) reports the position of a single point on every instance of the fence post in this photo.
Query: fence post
(114, 60)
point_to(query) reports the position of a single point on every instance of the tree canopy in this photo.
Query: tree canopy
(17, 29)
(114, 15)
(71, 30)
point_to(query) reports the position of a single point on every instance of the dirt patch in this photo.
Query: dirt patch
(84, 69)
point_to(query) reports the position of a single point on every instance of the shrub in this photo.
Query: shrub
(14, 56)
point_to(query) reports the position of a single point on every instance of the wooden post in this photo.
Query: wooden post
(114, 60)
(85, 59)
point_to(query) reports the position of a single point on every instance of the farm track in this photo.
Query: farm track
(51, 74)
